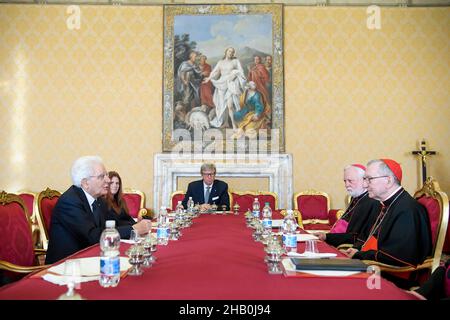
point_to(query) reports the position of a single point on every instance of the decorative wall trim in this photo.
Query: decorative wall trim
(387, 3)
(277, 168)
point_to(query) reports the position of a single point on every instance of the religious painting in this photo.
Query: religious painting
(223, 78)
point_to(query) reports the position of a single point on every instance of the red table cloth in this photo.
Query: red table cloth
(215, 259)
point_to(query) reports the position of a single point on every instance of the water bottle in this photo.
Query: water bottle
(256, 209)
(162, 233)
(289, 235)
(179, 213)
(109, 256)
(267, 219)
(190, 205)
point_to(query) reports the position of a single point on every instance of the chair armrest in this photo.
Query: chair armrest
(299, 218)
(145, 213)
(5, 265)
(344, 246)
(390, 268)
(40, 252)
(334, 215)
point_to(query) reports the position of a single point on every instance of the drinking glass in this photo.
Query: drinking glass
(311, 247)
(72, 276)
(135, 237)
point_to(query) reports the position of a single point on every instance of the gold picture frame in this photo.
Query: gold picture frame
(199, 105)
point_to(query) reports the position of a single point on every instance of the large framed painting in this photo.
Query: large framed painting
(223, 78)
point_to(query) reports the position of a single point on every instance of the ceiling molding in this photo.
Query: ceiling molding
(322, 3)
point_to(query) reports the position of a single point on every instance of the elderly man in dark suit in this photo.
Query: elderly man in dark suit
(208, 190)
(79, 216)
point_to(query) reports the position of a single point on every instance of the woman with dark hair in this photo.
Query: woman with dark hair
(117, 207)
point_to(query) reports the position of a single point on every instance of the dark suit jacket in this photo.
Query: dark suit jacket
(73, 226)
(218, 194)
(122, 219)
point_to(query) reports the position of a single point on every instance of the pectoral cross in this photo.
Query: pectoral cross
(423, 153)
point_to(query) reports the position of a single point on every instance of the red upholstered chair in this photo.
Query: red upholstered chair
(245, 199)
(446, 248)
(436, 203)
(46, 201)
(30, 200)
(135, 200)
(17, 253)
(314, 207)
(175, 197)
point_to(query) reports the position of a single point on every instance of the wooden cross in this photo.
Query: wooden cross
(423, 153)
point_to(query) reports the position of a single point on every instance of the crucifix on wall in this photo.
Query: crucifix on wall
(423, 153)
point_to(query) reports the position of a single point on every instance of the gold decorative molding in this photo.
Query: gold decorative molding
(320, 3)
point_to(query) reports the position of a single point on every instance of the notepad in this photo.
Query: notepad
(309, 255)
(305, 237)
(337, 264)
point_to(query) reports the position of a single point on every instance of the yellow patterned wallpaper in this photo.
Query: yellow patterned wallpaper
(351, 94)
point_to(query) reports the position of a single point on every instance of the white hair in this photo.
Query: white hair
(360, 171)
(384, 170)
(83, 168)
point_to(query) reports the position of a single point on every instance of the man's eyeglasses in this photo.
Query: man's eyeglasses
(369, 179)
(208, 174)
(100, 176)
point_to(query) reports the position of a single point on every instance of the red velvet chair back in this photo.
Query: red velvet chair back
(271, 198)
(175, 197)
(436, 204)
(29, 199)
(133, 202)
(434, 216)
(313, 205)
(446, 248)
(16, 244)
(245, 199)
(47, 200)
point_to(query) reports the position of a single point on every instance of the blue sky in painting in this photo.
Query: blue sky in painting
(213, 33)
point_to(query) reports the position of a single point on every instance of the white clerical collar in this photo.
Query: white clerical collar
(395, 191)
(90, 198)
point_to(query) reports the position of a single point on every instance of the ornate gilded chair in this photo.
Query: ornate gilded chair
(314, 208)
(17, 252)
(46, 201)
(245, 199)
(135, 200)
(446, 248)
(30, 200)
(436, 203)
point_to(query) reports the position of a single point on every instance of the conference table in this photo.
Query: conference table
(215, 259)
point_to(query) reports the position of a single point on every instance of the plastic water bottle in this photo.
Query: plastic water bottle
(256, 208)
(289, 235)
(267, 219)
(162, 233)
(109, 256)
(179, 212)
(190, 205)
